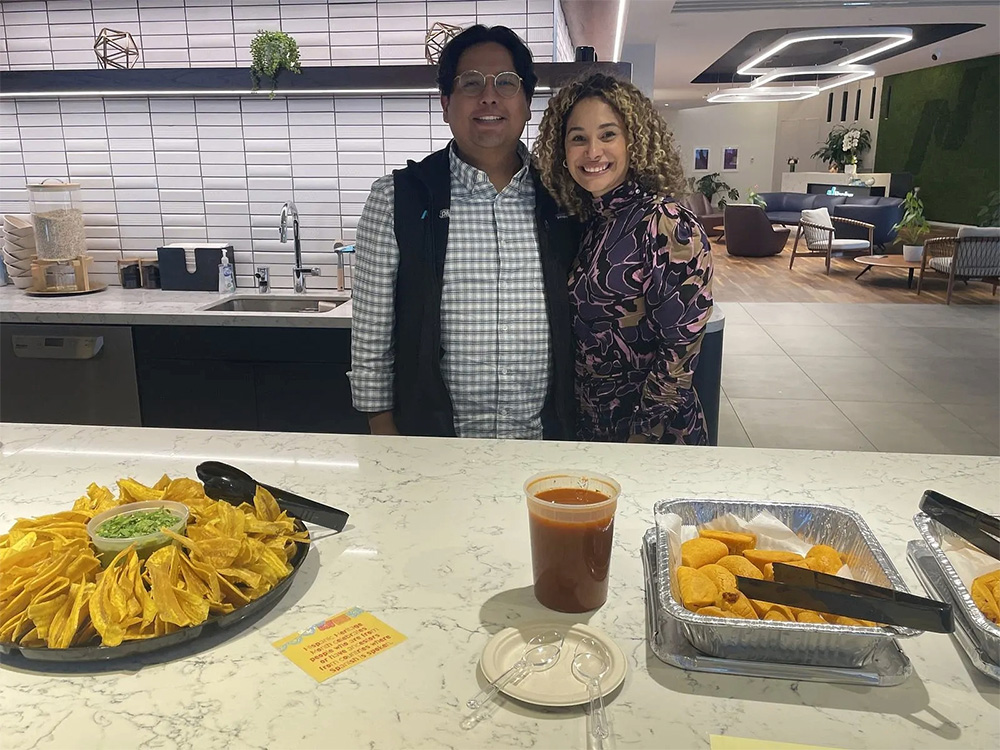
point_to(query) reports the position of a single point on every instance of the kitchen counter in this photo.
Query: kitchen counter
(118, 306)
(437, 547)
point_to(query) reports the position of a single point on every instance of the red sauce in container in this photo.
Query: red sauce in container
(571, 546)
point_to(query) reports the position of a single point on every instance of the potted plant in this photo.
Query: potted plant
(754, 197)
(270, 52)
(844, 146)
(712, 184)
(989, 213)
(913, 227)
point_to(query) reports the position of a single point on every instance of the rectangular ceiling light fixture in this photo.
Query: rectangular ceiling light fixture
(841, 75)
(891, 36)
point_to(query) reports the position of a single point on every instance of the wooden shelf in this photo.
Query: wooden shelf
(366, 80)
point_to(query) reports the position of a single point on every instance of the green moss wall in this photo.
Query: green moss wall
(942, 124)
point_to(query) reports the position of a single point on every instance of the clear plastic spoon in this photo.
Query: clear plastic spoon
(537, 659)
(539, 652)
(591, 662)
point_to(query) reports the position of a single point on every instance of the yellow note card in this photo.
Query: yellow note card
(338, 643)
(725, 742)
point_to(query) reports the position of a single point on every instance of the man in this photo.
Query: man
(461, 317)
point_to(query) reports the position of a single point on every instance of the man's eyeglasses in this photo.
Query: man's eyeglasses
(473, 83)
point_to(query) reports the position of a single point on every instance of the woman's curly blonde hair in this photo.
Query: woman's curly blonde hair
(653, 159)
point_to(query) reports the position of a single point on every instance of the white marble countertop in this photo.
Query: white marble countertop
(437, 547)
(118, 306)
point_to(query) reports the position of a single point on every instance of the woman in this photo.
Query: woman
(641, 286)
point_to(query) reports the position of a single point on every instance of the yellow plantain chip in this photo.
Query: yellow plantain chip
(265, 505)
(44, 613)
(131, 491)
(26, 557)
(182, 490)
(219, 552)
(173, 604)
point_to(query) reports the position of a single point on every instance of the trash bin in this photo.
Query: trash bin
(708, 374)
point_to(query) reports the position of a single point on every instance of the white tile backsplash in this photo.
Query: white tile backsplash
(157, 170)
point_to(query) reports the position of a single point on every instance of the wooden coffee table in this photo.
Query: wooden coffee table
(887, 261)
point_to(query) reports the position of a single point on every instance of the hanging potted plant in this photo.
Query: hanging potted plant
(913, 227)
(270, 53)
(844, 146)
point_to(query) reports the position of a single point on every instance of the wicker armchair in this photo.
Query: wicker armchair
(821, 240)
(973, 254)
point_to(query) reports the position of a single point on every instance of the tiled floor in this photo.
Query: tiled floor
(873, 377)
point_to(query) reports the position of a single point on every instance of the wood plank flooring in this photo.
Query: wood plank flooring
(739, 279)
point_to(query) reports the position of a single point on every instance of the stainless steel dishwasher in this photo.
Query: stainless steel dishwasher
(68, 374)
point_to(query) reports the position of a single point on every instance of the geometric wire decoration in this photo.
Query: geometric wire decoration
(115, 49)
(438, 35)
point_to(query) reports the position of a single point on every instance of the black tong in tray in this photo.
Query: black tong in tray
(807, 589)
(977, 528)
(232, 485)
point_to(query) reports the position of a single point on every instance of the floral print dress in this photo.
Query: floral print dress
(641, 296)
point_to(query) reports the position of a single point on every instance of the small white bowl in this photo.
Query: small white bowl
(21, 243)
(22, 266)
(18, 225)
(17, 253)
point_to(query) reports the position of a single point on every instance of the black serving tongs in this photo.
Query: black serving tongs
(807, 589)
(232, 485)
(977, 528)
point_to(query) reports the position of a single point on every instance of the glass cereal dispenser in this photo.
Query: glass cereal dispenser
(58, 219)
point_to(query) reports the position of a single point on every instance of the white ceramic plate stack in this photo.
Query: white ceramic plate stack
(18, 249)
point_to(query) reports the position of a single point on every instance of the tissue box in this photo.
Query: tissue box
(174, 274)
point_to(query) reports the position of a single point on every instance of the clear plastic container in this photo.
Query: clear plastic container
(571, 519)
(58, 218)
(146, 544)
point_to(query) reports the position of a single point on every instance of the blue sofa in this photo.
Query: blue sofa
(884, 213)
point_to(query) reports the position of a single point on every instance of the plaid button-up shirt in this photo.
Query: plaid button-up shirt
(496, 359)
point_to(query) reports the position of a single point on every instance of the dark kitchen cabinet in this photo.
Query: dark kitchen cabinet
(280, 379)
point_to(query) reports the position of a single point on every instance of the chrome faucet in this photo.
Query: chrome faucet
(299, 273)
(263, 276)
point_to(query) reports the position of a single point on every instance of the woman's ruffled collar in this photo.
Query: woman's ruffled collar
(620, 197)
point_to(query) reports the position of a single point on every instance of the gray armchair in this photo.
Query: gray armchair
(817, 227)
(973, 254)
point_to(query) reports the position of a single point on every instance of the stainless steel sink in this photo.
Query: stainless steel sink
(276, 304)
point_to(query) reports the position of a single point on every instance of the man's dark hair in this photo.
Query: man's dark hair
(478, 34)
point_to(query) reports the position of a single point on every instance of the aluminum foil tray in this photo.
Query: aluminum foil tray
(888, 665)
(934, 535)
(930, 575)
(786, 642)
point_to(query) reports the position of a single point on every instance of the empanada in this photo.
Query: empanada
(775, 615)
(716, 612)
(697, 589)
(761, 557)
(735, 541)
(985, 598)
(809, 616)
(700, 551)
(723, 579)
(740, 606)
(762, 608)
(740, 566)
(830, 558)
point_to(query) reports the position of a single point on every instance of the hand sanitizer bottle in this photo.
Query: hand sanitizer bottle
(227, 283)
